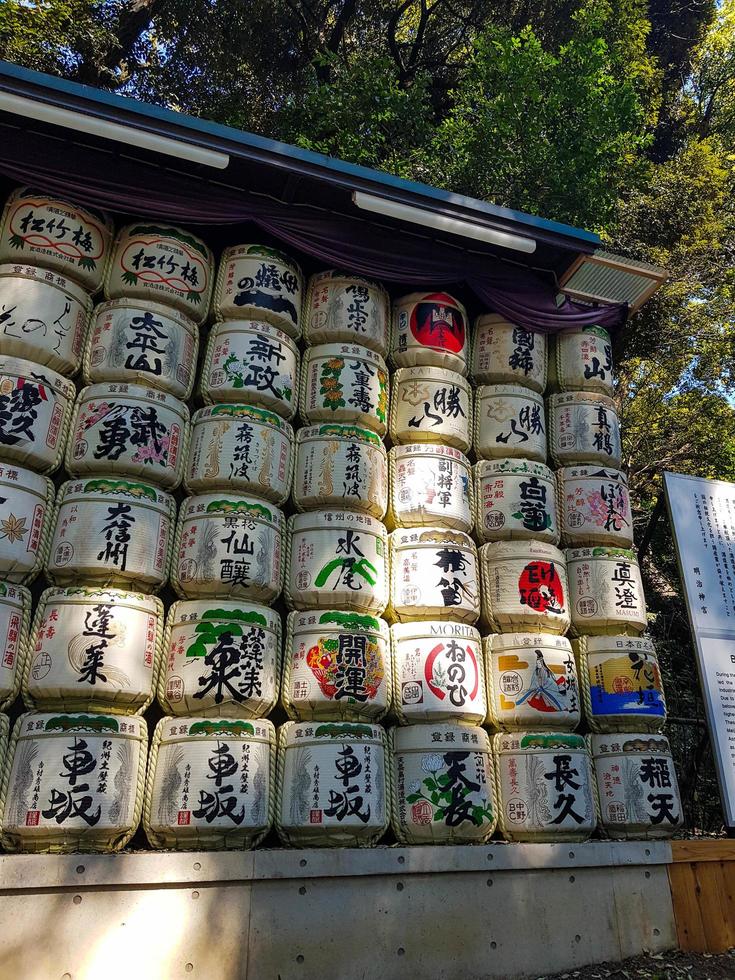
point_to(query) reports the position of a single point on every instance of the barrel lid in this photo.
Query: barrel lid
(496, 320)
(22, 368)
(540, 741)
(429, 449)
(531, 550)
(426, 373)
(40, 724)
(335, 619)
(519, 467)
(515, 641)
(412, 537)
(339, 276)
(27, 480)
(573, 332)
(441, 738)
(429, 295)
(144, 306)
(562, 398)
(334, 430)
(258, 252)
(333, 520)
(201, 728)
(131, 392)
(253, 325)
(15, 595)
(508, 391)
(585, 554)
(616, 644)
(105, 486)
(232, 505)
(593, 473)
(302, 733)
(622, 743)
(28, 191)
(252, 412)
(433, 629)
(47, 277)
(76, 595)
(342, 350)
(190, 611)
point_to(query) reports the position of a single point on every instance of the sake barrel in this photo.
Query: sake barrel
(595, 507)
(545, 786)
(431, 404)
(344, 383)
(429, 329)
(434, 575)
(505, 353)
(605, 591)
(584, 428)
(340, 466)
(336, 559)
(36, 406)
(44, 317)
(241, 448)
(442, 778)
(430, 485)
(162, 264)
(94, 650)
(228, 545)
(112, 533)
(252, 361)
(74, 782)
(142, 343)
(438, 673)
(26, 520)
(124, 430)
(524, 587)
(260, 282)
(532, 681)
(331, 784)
(211, 783)
(336, 666)
(344, 309)
(637, 786)
(509, 422)
(15, 616)
(57, 235)
(222, 658)
(515, 499)
(581, 360)
(621, 683)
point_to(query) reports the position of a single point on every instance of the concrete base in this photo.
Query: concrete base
(495, 911)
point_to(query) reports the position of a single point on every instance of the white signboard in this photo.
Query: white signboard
(703, 523)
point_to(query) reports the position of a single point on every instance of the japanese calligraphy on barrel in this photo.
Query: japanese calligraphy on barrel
(211, 783)
(431, 404)
(331, 784)
(429, 330)
(15, 617)
(605, 591)
(142, 343)
(344, 383)
(581, 360)
(260, 282)
(94, 650)
(524, 587)
(73, 782)
(545, 789)
(532, 681)
(433, 574)
(44, 317)
(346, 309)
(595, 507)
(442, 779)
(241, 448)
(430, 485)
(504, 353)
(515, 499)
(509, 422)
(26, 520)
(220, 658)
(336, 666)
(583, 428)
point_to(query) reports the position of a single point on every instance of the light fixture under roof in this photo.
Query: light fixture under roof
(606, 278)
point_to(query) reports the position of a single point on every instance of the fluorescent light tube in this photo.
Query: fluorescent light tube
(454, 226)
(129, 135)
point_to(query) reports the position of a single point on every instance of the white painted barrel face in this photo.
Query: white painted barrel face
(509, 422)
(26, 518)
(69, 240)
(431, 404)
(337, 558)
(75, 782)
(340, 466)
(524, 587)
(221, 658)
(43, 317)
(621, 683)
(141, 342)
(336, 665)
(162, 264)
(434, 575)
(344, 383)
(532, 681)
(430, 485)
(228, 545)
(15, 614)
(211, 783)
(346, 309)
(584, 429)
(112, 533)
(251, 361)
(515, 500)
(582, 361)
(331, 784)
(504, 353)
(94, 650)
(429, 330)
(545, 786)
(125, 430)
(605, 591)
(595, 507)
(259, 282)
(36, 405)
(443, 784)
(240, 448)
(438, 673)
(637, 786)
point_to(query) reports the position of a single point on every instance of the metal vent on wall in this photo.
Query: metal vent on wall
(607, 278)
